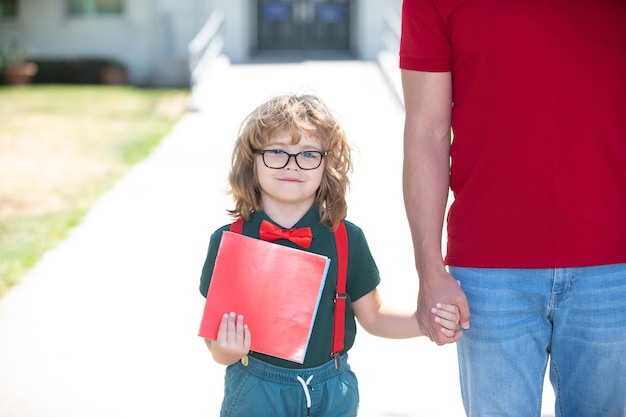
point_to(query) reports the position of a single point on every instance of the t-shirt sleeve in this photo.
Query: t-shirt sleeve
(209, 263)
(363, 275)
(424, 41)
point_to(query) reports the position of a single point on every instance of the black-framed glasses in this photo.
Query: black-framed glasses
(277, 159)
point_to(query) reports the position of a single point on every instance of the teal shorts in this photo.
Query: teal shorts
(261, 389)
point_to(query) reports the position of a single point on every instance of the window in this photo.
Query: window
(8, 8)
(95, 7)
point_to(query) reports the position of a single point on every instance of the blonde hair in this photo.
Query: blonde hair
(296, 115)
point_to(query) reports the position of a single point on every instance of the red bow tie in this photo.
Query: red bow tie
(270, 232)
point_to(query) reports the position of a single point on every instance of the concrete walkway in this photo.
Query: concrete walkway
(105, 325)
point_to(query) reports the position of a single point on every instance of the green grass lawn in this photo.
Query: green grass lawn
(61, 147)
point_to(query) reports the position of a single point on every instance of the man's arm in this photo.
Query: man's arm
(426, 180)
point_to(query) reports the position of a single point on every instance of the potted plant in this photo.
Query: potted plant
(16, 68)
(113, 73)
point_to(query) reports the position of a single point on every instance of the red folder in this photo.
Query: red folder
(276, 288)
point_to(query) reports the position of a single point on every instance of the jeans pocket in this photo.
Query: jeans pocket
(237, 385)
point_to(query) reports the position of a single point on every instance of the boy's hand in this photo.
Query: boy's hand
(448, 316)
(233, 340)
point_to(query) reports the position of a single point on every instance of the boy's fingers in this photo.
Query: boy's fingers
(447, 332)
(223, 329)
(246, 338)
(446, 324)
(240, 331)
(449, 315)
(231, 327)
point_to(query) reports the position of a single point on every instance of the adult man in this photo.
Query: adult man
(535, 94)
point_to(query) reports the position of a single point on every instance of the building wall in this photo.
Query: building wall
(175, 25)
(43, 30)
(151, 37)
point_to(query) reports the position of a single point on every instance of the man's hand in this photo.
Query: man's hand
(446, 290)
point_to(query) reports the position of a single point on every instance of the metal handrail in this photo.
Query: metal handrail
(391, 34)
(206, 46)
(388, 57)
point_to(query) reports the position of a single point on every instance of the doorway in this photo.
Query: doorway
(309, 25)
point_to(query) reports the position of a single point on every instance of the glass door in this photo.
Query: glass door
(303, 25)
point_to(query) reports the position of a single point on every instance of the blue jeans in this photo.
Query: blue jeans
(576, 317)
(261, 389)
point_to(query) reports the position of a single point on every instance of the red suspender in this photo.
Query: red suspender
(341, 241)
(339, 327)
(237, 226)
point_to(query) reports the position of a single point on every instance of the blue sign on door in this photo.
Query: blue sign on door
(276, 12)
(330, 13)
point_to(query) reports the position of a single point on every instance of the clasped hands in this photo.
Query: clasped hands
(233, 336)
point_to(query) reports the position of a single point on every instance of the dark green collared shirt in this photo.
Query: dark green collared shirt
(362, 278)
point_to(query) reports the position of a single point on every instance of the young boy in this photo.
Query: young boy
(290, 170)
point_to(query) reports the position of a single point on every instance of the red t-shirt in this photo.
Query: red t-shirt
(539, 122)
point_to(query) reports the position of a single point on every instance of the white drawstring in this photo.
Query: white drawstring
(305, 387)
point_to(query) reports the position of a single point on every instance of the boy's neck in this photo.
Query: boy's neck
(286, 216)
